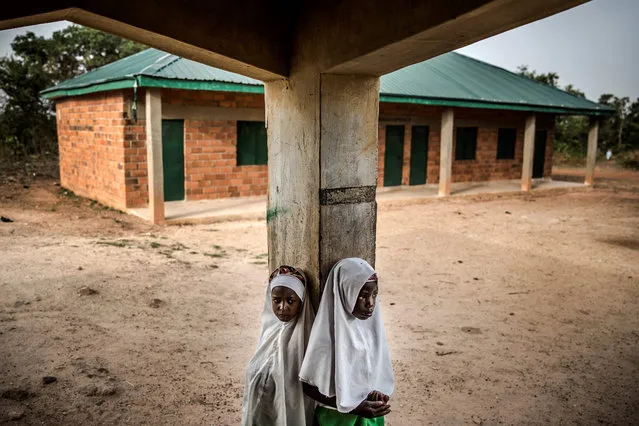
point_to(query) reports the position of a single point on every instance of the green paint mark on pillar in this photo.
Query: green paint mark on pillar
(272, 213)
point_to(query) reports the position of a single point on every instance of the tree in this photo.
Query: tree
(550, 79)
(615, 127)
(27, 123)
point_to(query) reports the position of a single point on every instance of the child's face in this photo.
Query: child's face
(286, 305)
(365, 304)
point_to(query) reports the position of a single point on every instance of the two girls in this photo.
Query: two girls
(346, 367)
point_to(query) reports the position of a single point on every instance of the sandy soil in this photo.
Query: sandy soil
(499, 310)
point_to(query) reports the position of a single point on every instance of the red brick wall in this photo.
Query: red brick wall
(210, 151)
(211, 170)
(212, 99)
(486, 166)
(91, 144)
(381, 151)
(136, 172)
(103, 153)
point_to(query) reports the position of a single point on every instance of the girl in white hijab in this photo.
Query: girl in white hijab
(347, 367)
(273, 394)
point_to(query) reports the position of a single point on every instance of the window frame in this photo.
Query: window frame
(461, 154)
(246, 155)
(506, 132)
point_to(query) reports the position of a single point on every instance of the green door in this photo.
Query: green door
(539, 157)
(173, 159)
(394, 156)
(418, 155)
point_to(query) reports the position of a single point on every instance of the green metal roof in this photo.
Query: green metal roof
(451, 79)
(154, 68)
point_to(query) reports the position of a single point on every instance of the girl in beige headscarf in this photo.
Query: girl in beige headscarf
(273, 393)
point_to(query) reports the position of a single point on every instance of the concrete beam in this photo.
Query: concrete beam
(262, 39)
(322, 133)
(375, 37)
(529, 152)
(591, 157)
(446, 152)
(153, 109)
(246, 39)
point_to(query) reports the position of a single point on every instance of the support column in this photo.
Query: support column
(153, 108)
(322, 142)
(529, 151)
(446, 152)
(591, 157)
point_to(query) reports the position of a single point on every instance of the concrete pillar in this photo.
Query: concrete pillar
(446, 152)
(322, 170)
(591, 157)
(529, 151)
(153, 110)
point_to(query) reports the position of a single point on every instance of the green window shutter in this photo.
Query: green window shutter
(261, 145)
(466, 143)
(252, 146)
(506, 144)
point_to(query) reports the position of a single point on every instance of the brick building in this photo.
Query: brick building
(214, 141)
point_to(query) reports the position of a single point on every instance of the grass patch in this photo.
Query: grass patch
(179, 247)
(218, 255)
(155, 245)
(118, 243)
(67, 193)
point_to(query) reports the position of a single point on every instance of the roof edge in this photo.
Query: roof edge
(219, 86)
(383, 97)
(149, 81)
(54, 93)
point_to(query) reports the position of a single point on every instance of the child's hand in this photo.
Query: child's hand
(377, 396)
(371, 409)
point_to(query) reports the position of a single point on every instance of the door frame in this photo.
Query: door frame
(537, 158)
(401, 165)
(164, 162)
(425, 164)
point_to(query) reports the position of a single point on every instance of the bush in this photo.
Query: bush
(628, 160)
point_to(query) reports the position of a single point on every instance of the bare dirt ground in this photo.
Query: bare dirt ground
(499, 310)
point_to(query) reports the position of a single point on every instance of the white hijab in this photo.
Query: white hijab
(347, 357)
(273, 393)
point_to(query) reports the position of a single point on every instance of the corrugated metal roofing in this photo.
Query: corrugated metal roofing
(454, 76)
(451, 79)
(156, 64)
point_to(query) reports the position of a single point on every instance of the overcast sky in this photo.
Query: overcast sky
(594, 46)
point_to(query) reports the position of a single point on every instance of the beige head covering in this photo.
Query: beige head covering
(347, 357)
(273, 393)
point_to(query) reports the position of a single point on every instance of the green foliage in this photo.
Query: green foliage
(551, 78)
(571, 137)
(27, 121)
(628, 159)
(619, 133)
